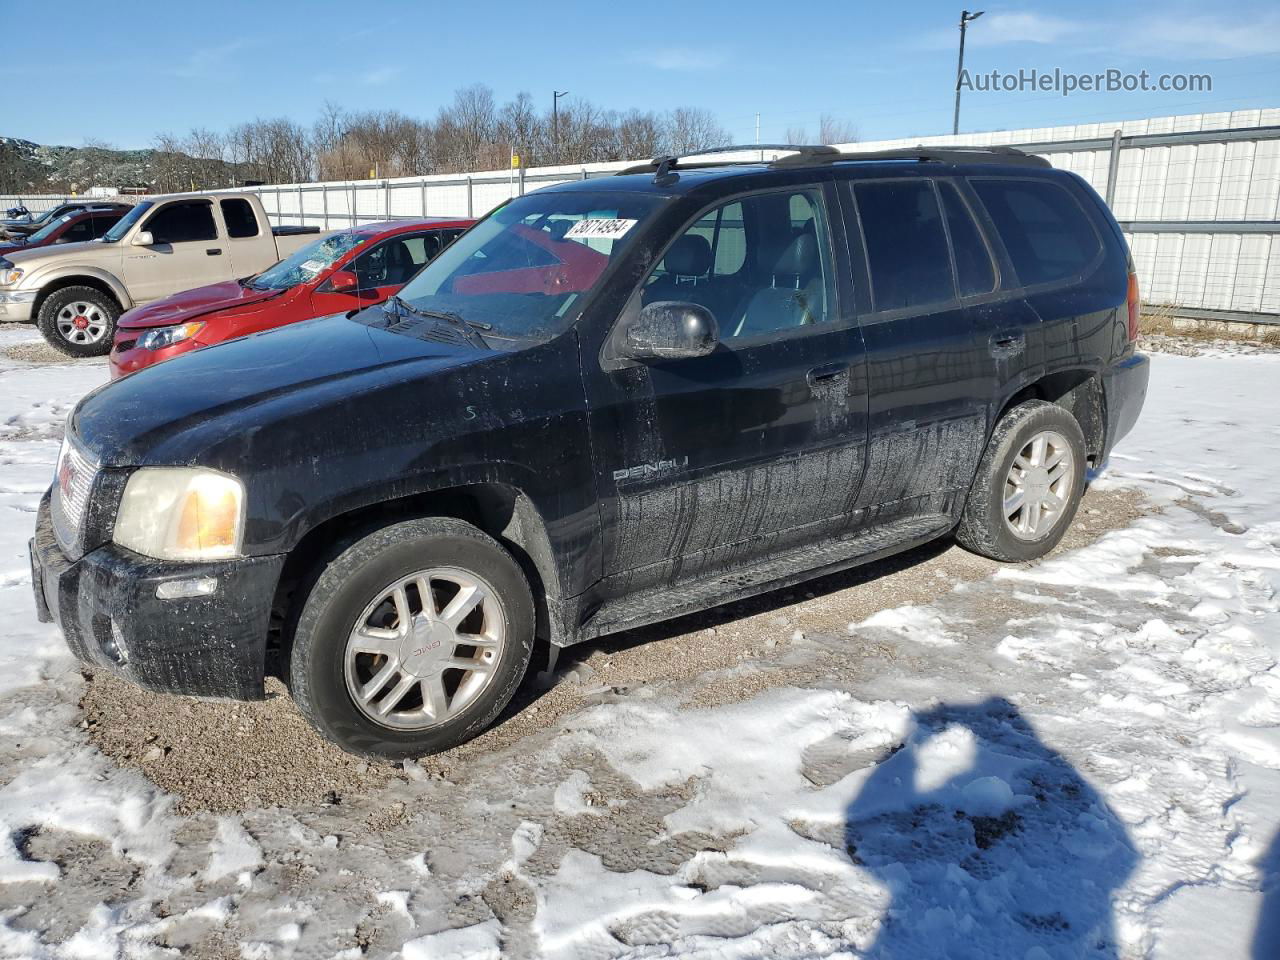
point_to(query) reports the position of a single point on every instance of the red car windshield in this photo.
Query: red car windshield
(308, 263)
(521, 270)
(45, 232)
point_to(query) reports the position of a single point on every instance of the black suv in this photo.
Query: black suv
(609, 403)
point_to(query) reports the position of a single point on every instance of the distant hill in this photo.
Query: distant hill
(27, 167)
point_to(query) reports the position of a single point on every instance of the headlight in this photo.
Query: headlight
(162, 337)
(181, 513)
(9, 274)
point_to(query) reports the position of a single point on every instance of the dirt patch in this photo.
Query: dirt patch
(224, 756)
(37, 351)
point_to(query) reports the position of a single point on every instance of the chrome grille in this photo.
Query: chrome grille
(72, 485)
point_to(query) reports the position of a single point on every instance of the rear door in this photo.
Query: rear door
(1055, 259)
(706, 463)
(186, 252)
(927, 357)
(249, 245)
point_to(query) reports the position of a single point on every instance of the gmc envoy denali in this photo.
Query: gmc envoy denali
(609, 403)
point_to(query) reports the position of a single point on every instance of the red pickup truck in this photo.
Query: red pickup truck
(347, 270)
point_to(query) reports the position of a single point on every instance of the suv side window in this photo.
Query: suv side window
(238, 215)
(186, 221)
(1047, 235)
(78, 232)
(761, 265)
(974, 273)
(104, 223)
(905, 243)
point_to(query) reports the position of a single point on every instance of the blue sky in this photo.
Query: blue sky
(888, 68)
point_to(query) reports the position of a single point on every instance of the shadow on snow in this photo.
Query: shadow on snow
(990, 843)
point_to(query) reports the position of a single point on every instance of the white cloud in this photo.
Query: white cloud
(209, 61)
(380, 75)
(684, 59)
(1164, 35)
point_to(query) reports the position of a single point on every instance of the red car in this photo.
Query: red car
(73, 227)
(348, 270)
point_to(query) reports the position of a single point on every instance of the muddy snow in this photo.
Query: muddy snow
(933, 757)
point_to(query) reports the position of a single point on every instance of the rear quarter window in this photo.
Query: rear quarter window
(1046, 232)
(239, 217)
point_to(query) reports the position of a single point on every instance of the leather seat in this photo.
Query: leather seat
(400, 265)
(794, 296)
(687, 262)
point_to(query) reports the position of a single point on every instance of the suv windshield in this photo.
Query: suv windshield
(523, 268)
(308, 263)
(44, 232)
(126, 222)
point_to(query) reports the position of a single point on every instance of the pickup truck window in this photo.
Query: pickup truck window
(237, 213)
(524, 267)
(307, 263)
(126, 223)
(186, 221)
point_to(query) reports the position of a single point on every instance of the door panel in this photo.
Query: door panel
(707, 462)
(927, 357)
(187, 252)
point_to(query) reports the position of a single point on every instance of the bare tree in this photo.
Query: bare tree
(830, 130)
(686, 129)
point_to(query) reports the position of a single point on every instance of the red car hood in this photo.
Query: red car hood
(197, 303)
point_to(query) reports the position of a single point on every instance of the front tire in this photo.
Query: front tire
(1028, 485)
(412, 639)
(79, 321)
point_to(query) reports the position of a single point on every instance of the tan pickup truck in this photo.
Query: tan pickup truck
(75, 292)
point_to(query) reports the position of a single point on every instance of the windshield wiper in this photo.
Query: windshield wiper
(468, 327)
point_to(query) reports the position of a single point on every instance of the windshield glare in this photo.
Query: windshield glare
(309, 262)
(44, 232)
(125, 224)
(523, 269)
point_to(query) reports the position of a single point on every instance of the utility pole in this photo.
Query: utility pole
(555, 120)
(965, 18)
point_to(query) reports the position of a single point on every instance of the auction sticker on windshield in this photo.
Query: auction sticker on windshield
(599, 229)
(312, 266)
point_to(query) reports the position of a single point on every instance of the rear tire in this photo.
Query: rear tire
(372, 667)
(79, 321)
(1019, 509)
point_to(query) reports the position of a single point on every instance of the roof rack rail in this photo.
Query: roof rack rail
(803, 155)
(960, 154)
(668, 162)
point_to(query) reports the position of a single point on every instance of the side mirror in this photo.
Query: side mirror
(343, 281)
(143, 238)
(669, 330)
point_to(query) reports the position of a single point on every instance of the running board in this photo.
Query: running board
(772, 573)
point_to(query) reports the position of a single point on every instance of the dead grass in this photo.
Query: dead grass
(1159, 320)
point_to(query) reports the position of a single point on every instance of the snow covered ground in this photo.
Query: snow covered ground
(1079, 758)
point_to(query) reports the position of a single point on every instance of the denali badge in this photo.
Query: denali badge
(642, 470)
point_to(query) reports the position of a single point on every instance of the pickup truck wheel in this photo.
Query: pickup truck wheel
(1028, 485)
(412, 639)
(79, 321)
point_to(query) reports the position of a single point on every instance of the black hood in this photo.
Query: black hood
(164, 413)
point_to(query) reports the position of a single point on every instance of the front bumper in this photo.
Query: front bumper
(1124, 386)
(16, 306)
(106, 605)
(127, 357)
